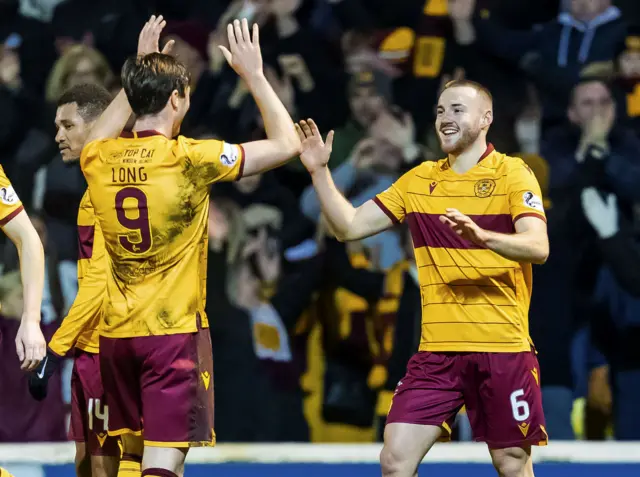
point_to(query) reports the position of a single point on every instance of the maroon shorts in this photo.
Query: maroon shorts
(89, 412)
(164, 382)
(501, 393)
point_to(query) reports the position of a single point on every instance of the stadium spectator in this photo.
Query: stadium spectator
(555, 54)
(78, 64)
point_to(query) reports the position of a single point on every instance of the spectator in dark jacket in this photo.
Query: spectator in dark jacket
(555, 54)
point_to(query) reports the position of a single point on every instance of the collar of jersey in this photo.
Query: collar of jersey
(490, 149)
(137, 134)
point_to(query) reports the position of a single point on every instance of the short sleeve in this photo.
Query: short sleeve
(91, 151)
(217, 161)
(10, 204)
(393, 200)
(525, 197)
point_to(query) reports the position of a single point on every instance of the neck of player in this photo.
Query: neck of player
(465, 160)
(154, 123)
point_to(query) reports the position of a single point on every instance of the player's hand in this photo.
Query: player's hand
(315, 152)
(243, 54)
(603, 216)
(39, 377)
(463, 226)
(30, 343)
(461, 10)
(149, 39)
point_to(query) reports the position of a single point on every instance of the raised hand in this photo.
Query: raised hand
(463, 226)
(149, 39)
(315, 152)
(243, 54)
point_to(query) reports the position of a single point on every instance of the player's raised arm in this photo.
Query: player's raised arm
(30, 342)
(282, 143)
(113, 120)
(345, 221)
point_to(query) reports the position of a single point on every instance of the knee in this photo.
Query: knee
(393, 463)
(510, 466)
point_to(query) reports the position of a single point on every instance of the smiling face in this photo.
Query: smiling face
(72, 131)
(463, 114)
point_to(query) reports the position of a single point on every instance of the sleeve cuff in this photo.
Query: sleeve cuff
(530, 214)
(8, 218)
(384, 209)
(241, 166)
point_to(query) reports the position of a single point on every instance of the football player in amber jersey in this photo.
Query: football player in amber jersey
(150, 193)
(30, 342)
(97, 453)
(477, 224)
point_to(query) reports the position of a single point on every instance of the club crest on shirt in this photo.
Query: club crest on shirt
(229, 155)
(8, 196)
(484, 187)
(531, 200)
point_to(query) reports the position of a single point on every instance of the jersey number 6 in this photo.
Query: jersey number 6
(141, 242)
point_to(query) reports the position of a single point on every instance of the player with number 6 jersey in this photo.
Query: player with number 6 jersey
(477, 224)
(150, 191)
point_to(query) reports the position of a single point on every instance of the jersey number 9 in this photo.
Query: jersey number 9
(142, 238)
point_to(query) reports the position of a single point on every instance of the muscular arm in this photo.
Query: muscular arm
(345, 221)
(529, 244)
(282, 143)
(21, 232)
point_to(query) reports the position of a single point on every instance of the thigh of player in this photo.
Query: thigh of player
(424, 406)
(120, 368)
(89, 411)
(177, 390)
(505, 400)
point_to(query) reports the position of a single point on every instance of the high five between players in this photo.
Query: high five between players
(477, 224)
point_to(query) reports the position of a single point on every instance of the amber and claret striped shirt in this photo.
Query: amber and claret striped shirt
(473, 299)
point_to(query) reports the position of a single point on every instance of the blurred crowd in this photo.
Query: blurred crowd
(310, 336)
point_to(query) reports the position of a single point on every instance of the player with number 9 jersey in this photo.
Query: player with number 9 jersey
(151, 196)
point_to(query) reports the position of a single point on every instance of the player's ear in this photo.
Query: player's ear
(487, 119)
(174, 99)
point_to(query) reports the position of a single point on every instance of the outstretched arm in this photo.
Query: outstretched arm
(30, 343)
(113, 120)
(282, 143)
(345, 221)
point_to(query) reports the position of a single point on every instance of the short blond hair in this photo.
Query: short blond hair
(484, 91)
(68, 62)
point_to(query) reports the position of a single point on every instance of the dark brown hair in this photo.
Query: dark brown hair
(150, 80)
(91, 99)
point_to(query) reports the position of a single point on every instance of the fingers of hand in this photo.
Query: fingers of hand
(329, 141)
(168, 47)
(246, 36)
(237, 29)
(226, 53)
(20, 349)
(306, 128)
(300, 132)
(231, 35)
(256, 35)
(314, 127)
